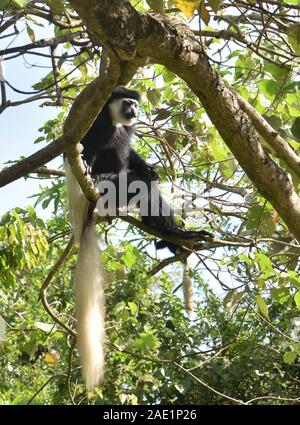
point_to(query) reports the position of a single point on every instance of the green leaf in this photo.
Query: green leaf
(156, 5)
(153, 95)
(289, 357)
(56, 5)
(133, 307)
(259, 217)
(297, 299)
(30, 348)
(228, 297)
(293, 103)
(263, 262)
(262, 306)
(168, 76)
(121, 311)
(20, 3)
(295, 129)
(274, 121)
(293, 33)
(215, 4)
(281, 294)
(236, 297)
(204, 13)
(30, 33)
(79, 62)
(147, 342)
(162, 115)
(277, 71)
(4, 4)
(294, 279)
(268, 88)
(130, 256)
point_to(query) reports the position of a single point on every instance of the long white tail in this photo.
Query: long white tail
(89, 301)
(89, 287)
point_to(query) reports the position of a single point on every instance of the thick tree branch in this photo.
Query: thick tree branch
(29, 164)
(272, 137)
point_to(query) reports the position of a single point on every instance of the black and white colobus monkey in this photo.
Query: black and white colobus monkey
(108, 156)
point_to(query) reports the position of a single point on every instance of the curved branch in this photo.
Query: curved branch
(46, 283)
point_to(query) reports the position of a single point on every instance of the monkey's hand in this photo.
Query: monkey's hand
(88, 168)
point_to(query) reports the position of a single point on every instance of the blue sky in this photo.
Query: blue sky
(19, 125)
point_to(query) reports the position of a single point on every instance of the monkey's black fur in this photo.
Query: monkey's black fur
(107, 151)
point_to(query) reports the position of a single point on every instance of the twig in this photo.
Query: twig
(204, 384)
(60, 375)
(69, 372)
(44, 42)
(44, 287)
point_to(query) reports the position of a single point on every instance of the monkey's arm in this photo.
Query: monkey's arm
(137, 164)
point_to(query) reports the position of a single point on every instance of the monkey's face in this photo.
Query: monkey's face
(124, 111)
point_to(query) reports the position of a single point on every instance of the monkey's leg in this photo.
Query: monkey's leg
(160, 216)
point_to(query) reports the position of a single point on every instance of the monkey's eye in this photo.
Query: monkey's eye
(130, 102)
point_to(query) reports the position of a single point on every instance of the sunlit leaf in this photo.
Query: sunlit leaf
(297, 299)
(30, 33)
(52, 357)
(264, 262)
(20, 3)
(290, 357)
(45, 327)
(293, 33)
(130, 256)
(187, 7)
(133, 307)
(268, 88)
(277, 71)
(262, 306)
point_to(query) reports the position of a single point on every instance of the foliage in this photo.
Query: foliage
(243, 337)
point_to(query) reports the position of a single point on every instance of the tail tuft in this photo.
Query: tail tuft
(89, 301)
